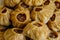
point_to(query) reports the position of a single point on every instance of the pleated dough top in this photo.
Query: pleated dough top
(44, 12)
(34, 2)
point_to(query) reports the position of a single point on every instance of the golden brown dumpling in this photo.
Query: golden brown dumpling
(20, 17)
(36, 31)
(43, 13)
(11, 3)
(5, 16)
(34, 2)
(14, 34)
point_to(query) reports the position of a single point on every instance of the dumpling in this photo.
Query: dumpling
(43, 13)
(20, 17)
(5, 16)
(14, 34)
(36, 30)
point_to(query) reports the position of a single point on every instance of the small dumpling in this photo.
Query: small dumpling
(36, 30)
(14, 34)
(11, 3)
(2, 30)
(20, 17)
(43, 13)
(5, 16)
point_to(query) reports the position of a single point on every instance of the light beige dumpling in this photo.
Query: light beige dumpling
(11, 3)
(14, 34)
(20, 17)
(43, 13)
(36, 31)
(5, 16)
(34, 2)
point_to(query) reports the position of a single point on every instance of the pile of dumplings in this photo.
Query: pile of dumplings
(29, 19)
